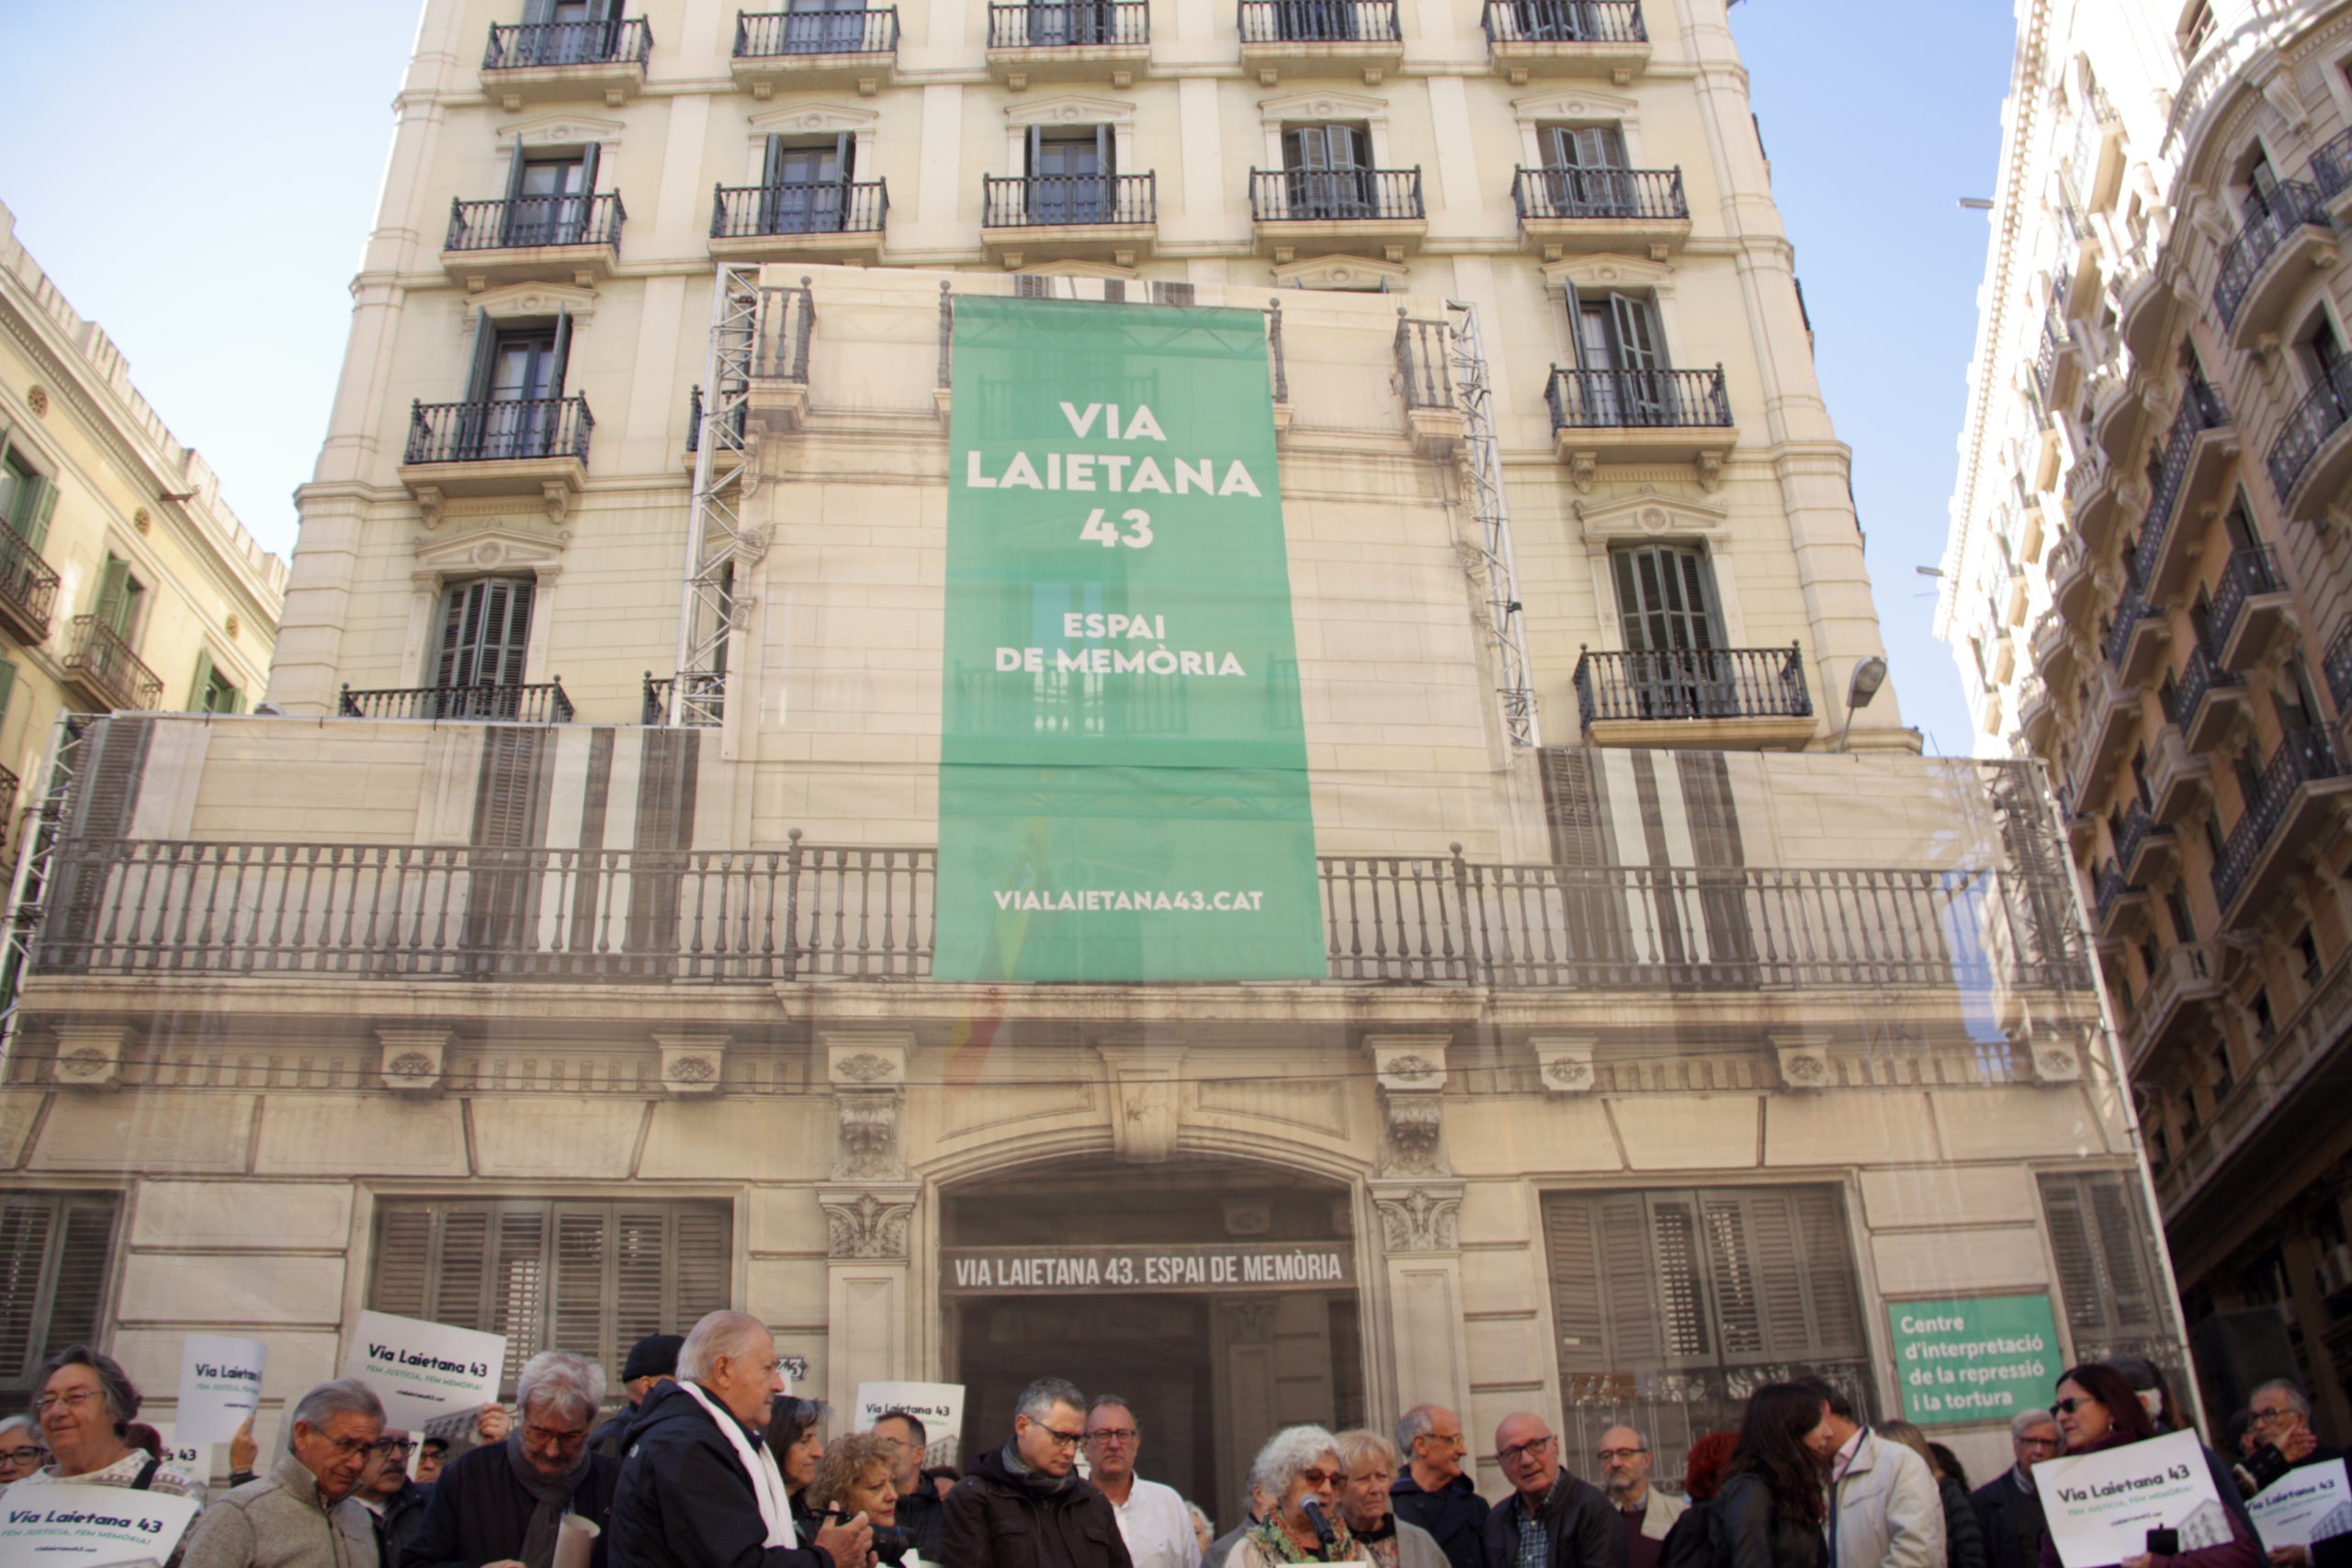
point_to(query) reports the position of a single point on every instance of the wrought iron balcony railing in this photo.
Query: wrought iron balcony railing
(2248, 573)
(103, 662)
(1320, 21)
(487, 703)
(2337, 663)
(1599, 193)
(2290, 206)
(10, 786)
(1070, 24)
(1694, 682)
(2137, 826)
(28, 586)
(1602, 400)
(1030, 201)
(2199, 675)
(533, 44)
(1336, 195)
(821, 206)
(1563, 22)
(2131, 612)
(405, 913)
(2303, 756)
(2322, 411)
(516, 222)
(2201, 411)
(499, 429)
(768, 34)
(2331, 168)
(2110, 889)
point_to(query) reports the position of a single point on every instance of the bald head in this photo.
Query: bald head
(1529, 1455)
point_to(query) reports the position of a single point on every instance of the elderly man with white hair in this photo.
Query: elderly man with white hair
(301, 1515)
(502, 1505)
(1300, 1472)
(699, 1488)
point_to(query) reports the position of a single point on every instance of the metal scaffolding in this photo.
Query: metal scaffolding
(38, 833)
(715, 532)
(1482, 472)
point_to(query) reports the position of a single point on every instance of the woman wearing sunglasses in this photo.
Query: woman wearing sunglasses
(2098, 1409)
(1300, 1470)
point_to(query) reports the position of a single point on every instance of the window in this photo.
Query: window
(547, 197)
(804, 184)
(1328, 173)
(2100, 1238)
(212, 690)
(56, 1250)
(122, 601)
(27, 497)
(825, 27)
(1054, 24)
(1666, 598)
(1070, 174)
(517, 377)
(2140, 777)
(2291, 696)
(2323, 349)
(2196, 28)
(1581, 146)
(2307, 949)
(485, 633)
(2257, 187)
(2265, 1030)
(2184, 924)
(585, 33)
(588, 1278)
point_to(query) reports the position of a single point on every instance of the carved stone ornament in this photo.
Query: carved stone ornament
(1147, 1098)
(1422, 1219)
(1805, 1060)
(1416, 1137)
(867, 1146)
(864, 1067)
(1565, 1067)
(692, 1064)
(2057, 1060)
(88, 1059)
(867, 1225)
(412, 1061)
(1249, 1320)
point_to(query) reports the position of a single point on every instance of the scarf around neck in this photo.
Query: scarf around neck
(1029, 1480)
(1279, 1546)
(552, 1493)
(759, 1465)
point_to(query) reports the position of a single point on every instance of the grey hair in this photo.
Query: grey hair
(2293, 1391)
(1413, 1426)
(1201, 1519)
(344, 1396)
(1640, 1437)
(1286, 1454)
(1120, 1400)
(18, 1419)
(1362, 1443)
(720, 1333)
(2025, 1421)
(570, 1380)
(1037, 1401)
(121, 1393)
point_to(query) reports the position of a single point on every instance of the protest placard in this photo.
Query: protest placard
(2100, 1507)
(52, 1522)
(2303, 1505)
(938, 1405)
(194, 1458)
(219, 1386)
(423, 1369)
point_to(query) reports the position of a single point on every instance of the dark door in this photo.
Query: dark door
(805, 186)
(1069, 174)
(1666, 610)
(1328, 173)
(485, 637)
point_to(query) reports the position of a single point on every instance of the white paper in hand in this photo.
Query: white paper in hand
(219, 1386)
(55, 1523)
(2303, 1505)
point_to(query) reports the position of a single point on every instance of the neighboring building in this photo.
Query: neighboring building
(787, 957)
(2146, 586)
(124, 582)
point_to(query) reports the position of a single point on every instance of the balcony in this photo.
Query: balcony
(1357, 210)
(2269, 260)
(2338, 664)
(2071, 577)
(2178, 1004)
(1563, 210)
(2209, 702)
(2137, 641)
(837, 219)
(1109, 217)
(561, 61)
(2180, 780)
(1527, 39)
(518, 703)
(2301, 789)
(815, 49)
(2198, 451)
(1747, 699)
(2108, 721)
(2252, 610)
(1320, 38)
(551, 239)
(2147, 848)
(1062, 41)
(527, 446)
(101, 667)
(1636, 416)
(2310, 458)
(2037, 713)
(2118, 904)
(27, 590)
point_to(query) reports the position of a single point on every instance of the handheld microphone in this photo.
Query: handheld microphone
(1313, 1508)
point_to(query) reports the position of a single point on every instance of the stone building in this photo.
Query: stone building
(1409, 888)
(2146, 587)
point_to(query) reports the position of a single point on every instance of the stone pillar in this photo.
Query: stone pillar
(869, 1207)
(1419, 1205)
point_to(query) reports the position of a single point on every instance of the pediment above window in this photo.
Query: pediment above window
(560, 130)
(504, 542)
(529, 301)
(1597, 274)
(814, 119)
(1358, 272)
(1071, 108)
(1649, 516)
(1322, 107)
(1574, 104)
(1078, 269)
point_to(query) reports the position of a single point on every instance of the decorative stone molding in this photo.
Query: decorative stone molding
(868, 1074)
(1646, 516)
(692, 1064)
(1565, 1065)
(1805, 1060)
(89, 1056)
(873, 1223)
(1249, 1320)
(2057, 1059)
(1410, 1071)
(1421, 1218)
(412, 1061)
(561, 131)
(1621, 273)
(1342, 274)
(1147, 1098)
(525, 301)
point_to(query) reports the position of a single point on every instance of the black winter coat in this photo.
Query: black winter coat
(2010, 1518)
(1747, 1533)
(479, 1513)
(1583, 1528)
(994, 1520)
(1454, 1513)
(685, 1501)
(1963, 1537)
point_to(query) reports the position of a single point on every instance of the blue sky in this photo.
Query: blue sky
(201, 181)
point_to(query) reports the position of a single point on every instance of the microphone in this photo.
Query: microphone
(1313, 1508)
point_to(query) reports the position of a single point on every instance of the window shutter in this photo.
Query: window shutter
(519, 1278)
(33, 510)
(772, 162)
(199, 696)
(702, 1262)
(7, 690)
(56, 1251)
(1824, 1264)
(482, 361)
(1640, 1293)
(105, 799)
(25, 1224)
(588, 157)
(460, 1278)
(403, 1261)
(2100, 1235)
(640, 1274)
(537, 11)
(560, 357)
(85, 1254)
(577, 1313)
(114, 594)
(845, 157)
(509, 795)
(1732, 1273)
(1037, 151)
(1577, 1317)
(1636, 332)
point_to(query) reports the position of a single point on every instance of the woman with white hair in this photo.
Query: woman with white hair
(1387, 1540)
(1301, 1471)
(504, 1502)
(20, 1449)
(85, 1408)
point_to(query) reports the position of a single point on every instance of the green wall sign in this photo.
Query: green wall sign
(1122, 790)
(1975, 1359)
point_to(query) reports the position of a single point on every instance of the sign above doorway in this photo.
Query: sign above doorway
(1224, 1266)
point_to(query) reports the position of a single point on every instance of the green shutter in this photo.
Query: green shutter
(199, 696)
(31, 514)
(8, 686)
(114, 595)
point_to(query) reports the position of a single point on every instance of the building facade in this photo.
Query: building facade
(2146, 589)
(1406, 889)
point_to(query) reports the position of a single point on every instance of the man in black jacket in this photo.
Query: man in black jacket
(1551, 1519)
(653, 1361)
(1024, 1505)
(391, 1499)
(504, 1502)
(697, 1487)
(1433, 1492)
(919, 1509)
(2009, 1508)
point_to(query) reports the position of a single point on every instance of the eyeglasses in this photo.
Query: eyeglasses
(2273, 1417)
(25, 1456)
(1061, 1439)
(345, 1447)
(2068, 1406)
(388, 1446)
(1315, 1476)
(1527, 1449)
(1611, 1455)
(1111, 1435)
(2041, 1442)
(76, 1397)
(553, 1437)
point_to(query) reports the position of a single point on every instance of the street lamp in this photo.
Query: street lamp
(1869, 675)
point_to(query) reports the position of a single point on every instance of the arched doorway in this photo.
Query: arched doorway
(1219, 1297)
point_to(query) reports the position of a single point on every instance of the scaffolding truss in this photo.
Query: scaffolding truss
(38, 833)
(1482, 474)
(715, 536)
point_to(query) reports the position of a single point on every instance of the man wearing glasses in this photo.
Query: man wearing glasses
(2008, 1509)
(1647, 1512)
(502, 1505)
(396, 1502)
(301, 1515)
(1024, 1505)
(1153, 1519)
(1433, 1492)
(1551, 1519)
(2282, 1418)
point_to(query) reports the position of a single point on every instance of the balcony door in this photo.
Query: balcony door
(548, 199)
(584, 31)
(1073, 23)
(1665, 609)
(1617, 334)
(1583, 168)
(1327, 171)
(804, 185)
(825, 27)
(485, 640)
(1069, 174)
(514, 398)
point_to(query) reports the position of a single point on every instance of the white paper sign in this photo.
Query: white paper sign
(2303, 1505)
(56, 1522)
(938, 1405)
(423, 1369)
(195, 1459)
(219, 1386)
(2100, 1507)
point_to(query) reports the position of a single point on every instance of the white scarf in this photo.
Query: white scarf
(768, 1481)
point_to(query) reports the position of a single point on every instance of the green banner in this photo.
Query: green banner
(1975, 1359)
(1122, 790)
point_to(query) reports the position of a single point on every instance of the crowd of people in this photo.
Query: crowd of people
(712, 1465)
